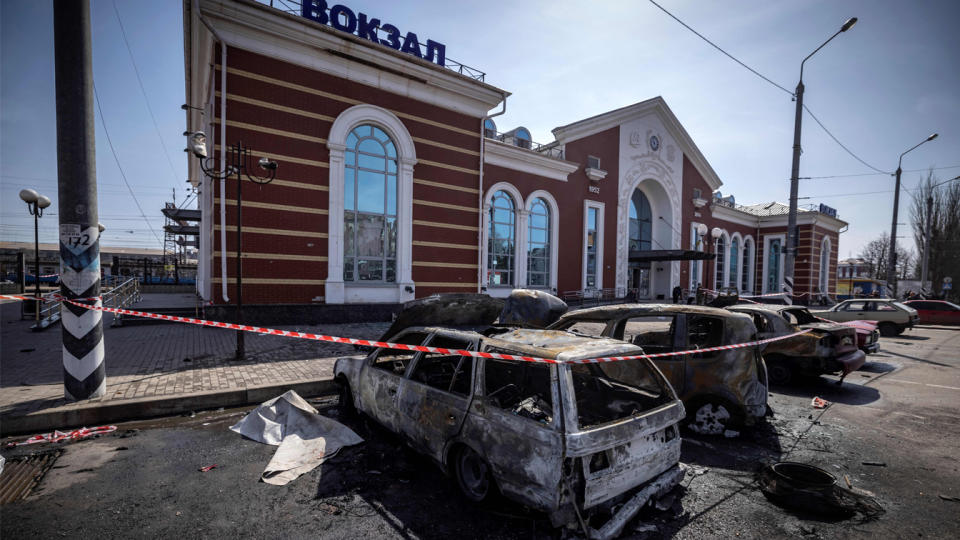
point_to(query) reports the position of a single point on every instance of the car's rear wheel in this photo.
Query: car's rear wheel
(779, 371)
(889, 329)
(472, 474)
(713, 416)
(345, 399)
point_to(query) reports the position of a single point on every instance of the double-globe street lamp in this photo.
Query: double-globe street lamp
(238, 163)
(35, 205)
(791, 241)
(715, 233)
(892, 259)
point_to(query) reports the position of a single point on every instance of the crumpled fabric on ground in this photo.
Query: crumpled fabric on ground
(305, 438)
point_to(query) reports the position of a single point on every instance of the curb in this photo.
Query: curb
(141, 408)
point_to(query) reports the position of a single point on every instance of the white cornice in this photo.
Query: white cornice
(657, 105)
(805, 218)
(264, 30)
(528, 161)
(734, 216)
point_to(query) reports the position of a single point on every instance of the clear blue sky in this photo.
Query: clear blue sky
(880, 88)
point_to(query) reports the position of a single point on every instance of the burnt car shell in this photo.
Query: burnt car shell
(464, 311)
(828, 348)
(730, 378)
(590, 443)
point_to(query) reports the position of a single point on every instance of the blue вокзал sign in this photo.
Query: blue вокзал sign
(344, 19)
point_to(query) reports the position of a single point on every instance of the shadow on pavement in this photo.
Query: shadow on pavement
(848, 393)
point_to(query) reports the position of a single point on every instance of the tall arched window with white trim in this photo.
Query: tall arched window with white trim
(734, 260)
(747, 265)
(502, 238)
(721, 249)
(538, 244)
(370, 206)
(825, 265)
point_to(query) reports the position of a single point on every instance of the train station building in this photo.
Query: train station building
(395, 182)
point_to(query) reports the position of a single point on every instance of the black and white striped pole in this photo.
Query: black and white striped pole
(84, 375)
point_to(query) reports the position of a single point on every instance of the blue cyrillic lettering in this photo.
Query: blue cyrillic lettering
(436, 49)
(393, 36)
(411, 45)
(336, 21)
(367, 30)
(315, 10)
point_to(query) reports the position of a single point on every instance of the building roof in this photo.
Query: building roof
(104, 250)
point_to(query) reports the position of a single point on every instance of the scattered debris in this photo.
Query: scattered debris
(59, 436)
(731, 433)
(814, 490)
(374, 472)
(305, 438)
(666, 502)
(645, 529)
(875, 463)
(208, 468)
(949, 498)
(120, 448)
(28, 350)
(696, 470)
(846, 478)
(820, 403)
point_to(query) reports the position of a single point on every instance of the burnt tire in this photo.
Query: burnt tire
(779, 372)
(713, 416)
(889, 329)
(345, 399)
(472, 475)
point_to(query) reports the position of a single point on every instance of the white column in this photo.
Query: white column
(334, 281)
(521, 248)
(405, 230)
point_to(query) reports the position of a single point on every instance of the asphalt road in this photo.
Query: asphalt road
(901, 413)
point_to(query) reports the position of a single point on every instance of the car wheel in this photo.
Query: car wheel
(779, 372)
(345, 399)
(712, 417)
(472, 474)
(888, 329)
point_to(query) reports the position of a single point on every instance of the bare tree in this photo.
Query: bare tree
(944, 217)
(876, 253)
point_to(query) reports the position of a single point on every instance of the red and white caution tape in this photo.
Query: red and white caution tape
(404, 347)
(58, 436)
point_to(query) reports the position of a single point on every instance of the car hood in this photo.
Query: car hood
(829, 327)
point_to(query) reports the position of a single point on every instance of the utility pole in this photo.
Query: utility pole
(926, 244)
(84, 375)
(892, 260)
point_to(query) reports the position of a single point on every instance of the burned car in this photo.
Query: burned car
(586, 443)
(721, 389)
(828, 347)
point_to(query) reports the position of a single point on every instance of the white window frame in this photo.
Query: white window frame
(695, 277)
(519, 241)
(601, 217)
(554, 234)
(726, 259)
(751, 266)
(336, 290)
(734, 280)
(823, 282)
(766, 258)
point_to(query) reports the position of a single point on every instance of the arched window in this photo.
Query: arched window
(773, 266)
(489, 129)
(747, 265)
(502, 239)
(538, 244)
(641, 222)
(734, 260)
(825, 266)
(522, 138)
(370, 206)
(721, 248)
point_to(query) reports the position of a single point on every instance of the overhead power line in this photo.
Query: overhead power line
(878, 173)
(717, 47)
(144, 92)
(758, 74)
(103, 122)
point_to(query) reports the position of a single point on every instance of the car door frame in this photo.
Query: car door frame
(380, 387)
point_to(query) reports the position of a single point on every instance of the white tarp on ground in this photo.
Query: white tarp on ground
(306, 438)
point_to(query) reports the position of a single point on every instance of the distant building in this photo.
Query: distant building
(854, 268)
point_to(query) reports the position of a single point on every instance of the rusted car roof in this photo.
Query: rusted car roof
(618, 310)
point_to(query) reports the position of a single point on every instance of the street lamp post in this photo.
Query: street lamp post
(892, 258)
(35, 205)
(714, 233)
(791, 242)
(926, 237)
(238, 162)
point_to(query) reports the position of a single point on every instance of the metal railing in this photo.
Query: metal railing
(293, 7)
(552, 150)
(116, 292)
(121, 296)
(599, 296)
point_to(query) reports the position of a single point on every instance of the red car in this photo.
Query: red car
(868, 337)
(936, 311)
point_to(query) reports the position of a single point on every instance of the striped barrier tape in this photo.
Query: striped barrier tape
(48, 296)
(422, 348)
(58, 436)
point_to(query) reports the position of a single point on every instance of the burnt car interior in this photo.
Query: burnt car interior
(798, 316)
(448, 372)
(520, 387)
(654, 333)
(608, 392)
(397, 360)
(703, 332)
